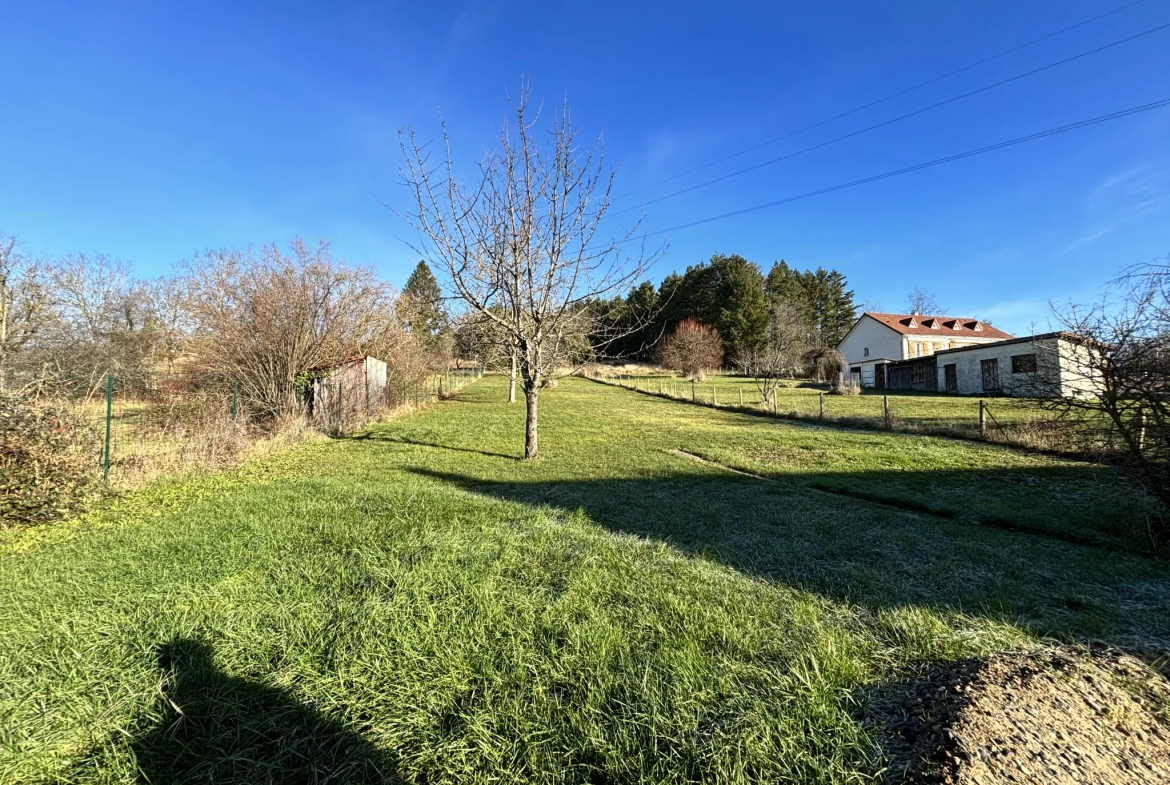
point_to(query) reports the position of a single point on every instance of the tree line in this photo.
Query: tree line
(253, 318)
(746, 309)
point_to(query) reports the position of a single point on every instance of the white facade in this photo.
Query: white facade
(870, 339)
(1042, 365)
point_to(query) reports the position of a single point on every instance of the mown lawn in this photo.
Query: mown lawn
(416, 604)
(803, 398)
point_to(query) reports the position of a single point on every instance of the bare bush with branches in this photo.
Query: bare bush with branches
(780, 353)
(1111, 389)
(693, 349)
(524, 245)
(262, 318)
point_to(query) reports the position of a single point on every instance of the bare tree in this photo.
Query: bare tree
(920, 301)
(262, 319)
(692, 348)
(25, 304)
(780, 353)
(100, 325)
(524, 246)
(1107, 380)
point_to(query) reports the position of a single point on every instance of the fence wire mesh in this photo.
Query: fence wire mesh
(151, 425)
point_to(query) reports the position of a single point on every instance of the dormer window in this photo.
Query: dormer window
(912, 323)
(954, 325)
(978, 327)
(931, 323)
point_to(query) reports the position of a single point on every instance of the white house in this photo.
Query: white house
(878, 340)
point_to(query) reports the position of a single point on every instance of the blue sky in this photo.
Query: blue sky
(151, 130)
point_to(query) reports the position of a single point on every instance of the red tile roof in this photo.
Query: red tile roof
(916, 324)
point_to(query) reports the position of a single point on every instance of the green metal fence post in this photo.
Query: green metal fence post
(109, 418)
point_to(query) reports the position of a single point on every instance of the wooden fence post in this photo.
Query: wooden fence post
(982, 418)
(821, 416)
(692, 391)
(741, 396)
(886, 410)
(714, 395)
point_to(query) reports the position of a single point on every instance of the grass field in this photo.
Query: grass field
(415, 603)
(803, 398)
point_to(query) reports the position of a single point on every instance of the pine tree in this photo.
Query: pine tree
(424, 311)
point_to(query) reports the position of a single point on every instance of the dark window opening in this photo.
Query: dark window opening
(1023, 363)
(917, 373)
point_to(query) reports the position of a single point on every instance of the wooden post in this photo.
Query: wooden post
(1140, 430)
(982, 418)
(692, 391)
(741, 396)
(714, 395)
(886, 410)
(821, 416)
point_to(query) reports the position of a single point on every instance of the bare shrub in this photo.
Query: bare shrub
(1113, 389)
(844, 387)
(48, 464)
(693, 349)
(780, 352)
(262, 319)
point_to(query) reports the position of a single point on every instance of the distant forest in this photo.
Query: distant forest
(734, 296)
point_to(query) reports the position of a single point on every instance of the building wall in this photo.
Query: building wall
(1052, 372)
(873, 335)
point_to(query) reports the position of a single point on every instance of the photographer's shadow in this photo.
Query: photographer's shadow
(218, 728)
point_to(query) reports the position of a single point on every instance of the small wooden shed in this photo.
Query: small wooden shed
(346, 391)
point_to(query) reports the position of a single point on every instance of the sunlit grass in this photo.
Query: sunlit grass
(417, 603)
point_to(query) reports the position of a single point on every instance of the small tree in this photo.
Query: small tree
(524, 247)
(25, 304)
(422, 304)
(920, 301)
(779, 355)
(692, 348)
(1109, 383)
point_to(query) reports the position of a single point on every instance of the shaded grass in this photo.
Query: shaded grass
(420, 605)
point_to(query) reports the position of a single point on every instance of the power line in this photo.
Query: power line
(889, 97)
(884, 123)
(916, 167)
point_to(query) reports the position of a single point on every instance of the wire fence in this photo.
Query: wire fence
(165, 424)
(1006, 420)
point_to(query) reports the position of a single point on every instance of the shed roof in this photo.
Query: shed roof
(330, 364)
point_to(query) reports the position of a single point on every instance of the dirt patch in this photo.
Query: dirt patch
(1057, 716)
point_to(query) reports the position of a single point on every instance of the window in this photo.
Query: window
(865, 352)
(918, 373)
(1023, 363)
(917, 349)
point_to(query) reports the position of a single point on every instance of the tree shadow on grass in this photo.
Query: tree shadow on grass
(857, 552)
(379, 437)
(217, 728)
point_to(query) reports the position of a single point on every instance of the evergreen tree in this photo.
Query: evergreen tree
(821, 297)
(424, 303)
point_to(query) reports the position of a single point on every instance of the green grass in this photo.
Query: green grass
(803, 398)
(416, 603)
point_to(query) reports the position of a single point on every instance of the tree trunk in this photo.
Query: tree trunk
(530, 447)
(512, 377)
